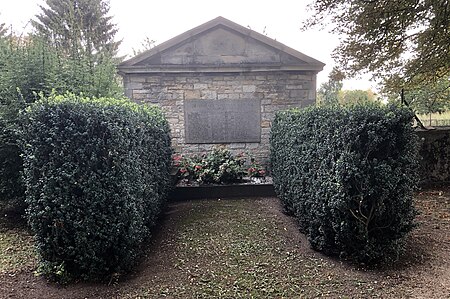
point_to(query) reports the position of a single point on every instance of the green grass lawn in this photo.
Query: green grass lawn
(227, 249)
(16, 250)
(240, 249)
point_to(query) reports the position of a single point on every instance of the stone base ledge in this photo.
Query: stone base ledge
(182, 193)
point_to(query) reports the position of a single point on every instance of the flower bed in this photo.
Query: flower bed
(217, 167)
(219, 174)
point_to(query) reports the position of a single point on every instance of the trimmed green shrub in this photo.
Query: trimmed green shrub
(347, 174)
(97, 174)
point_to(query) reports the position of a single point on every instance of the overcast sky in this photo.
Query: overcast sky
(162, 20)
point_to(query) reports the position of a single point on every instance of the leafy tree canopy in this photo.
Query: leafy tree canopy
(328, 93)
(356, 96)
(431, 98)
(405, 43)
(331, 93)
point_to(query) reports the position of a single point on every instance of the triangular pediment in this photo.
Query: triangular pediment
(220, 45)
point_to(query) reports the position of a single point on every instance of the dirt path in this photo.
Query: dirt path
(425, 270)
(249, 249)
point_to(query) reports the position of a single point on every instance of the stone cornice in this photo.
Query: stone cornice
(215, 69)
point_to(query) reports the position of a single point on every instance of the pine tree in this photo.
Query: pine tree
(83, 35)
(78, 26)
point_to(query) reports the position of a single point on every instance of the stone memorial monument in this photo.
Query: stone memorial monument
(221, 83)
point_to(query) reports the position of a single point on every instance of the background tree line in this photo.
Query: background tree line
(425, 99)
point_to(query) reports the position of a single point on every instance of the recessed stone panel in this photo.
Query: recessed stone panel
(222, 121)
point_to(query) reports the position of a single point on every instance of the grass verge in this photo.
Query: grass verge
(16, 250)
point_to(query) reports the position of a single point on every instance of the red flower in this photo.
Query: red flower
(198, 167)
(183, 170)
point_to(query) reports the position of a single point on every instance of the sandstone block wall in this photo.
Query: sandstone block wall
(276, 90)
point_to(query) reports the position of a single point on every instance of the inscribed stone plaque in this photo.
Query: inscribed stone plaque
(222, 121)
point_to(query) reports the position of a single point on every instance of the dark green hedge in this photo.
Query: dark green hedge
(96, 174)
(347, 174)
(12, 190)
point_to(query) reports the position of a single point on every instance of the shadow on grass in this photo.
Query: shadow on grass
(12, 217)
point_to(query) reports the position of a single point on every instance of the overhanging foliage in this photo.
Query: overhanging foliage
(404, 43)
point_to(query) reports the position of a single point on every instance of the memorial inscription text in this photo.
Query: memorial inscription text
(222, 121)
